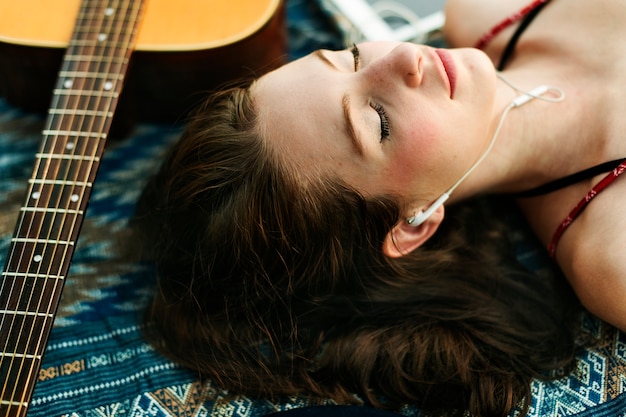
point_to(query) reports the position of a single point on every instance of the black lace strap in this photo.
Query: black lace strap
(571, 179)
(510, 47)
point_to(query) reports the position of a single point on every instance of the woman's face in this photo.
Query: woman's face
(386, 117)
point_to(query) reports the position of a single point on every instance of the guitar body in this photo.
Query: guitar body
(184, 48)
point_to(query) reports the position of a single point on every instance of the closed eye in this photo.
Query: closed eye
(384, 121)
(357, 56)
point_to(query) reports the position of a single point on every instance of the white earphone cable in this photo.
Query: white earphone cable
(524, 97)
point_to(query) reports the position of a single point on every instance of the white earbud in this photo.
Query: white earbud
(421, 216)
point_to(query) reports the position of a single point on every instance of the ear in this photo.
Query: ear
(404, 238)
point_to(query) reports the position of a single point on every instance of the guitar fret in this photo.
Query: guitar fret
(54, 222)
(76, 112)
(89, 11)
(14, 403)
(121, 42)
(89, 27)
(23, 331)
(40, 259)
(14, 408)
(88, 58)
(32, 275)
(76, 123)
(59, 193)
(20, 355)
(61, 182)
(68, 157)
(18, 371)
(28, 299)
(90, 93)
(27, 313)
(73, 133)
(89, 74)
(45, 241)
(50, 210)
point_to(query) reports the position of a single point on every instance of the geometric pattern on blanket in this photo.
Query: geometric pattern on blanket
(98, 363)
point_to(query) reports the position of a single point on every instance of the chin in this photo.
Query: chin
(475, 69)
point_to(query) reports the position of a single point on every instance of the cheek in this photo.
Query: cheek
(417, 154)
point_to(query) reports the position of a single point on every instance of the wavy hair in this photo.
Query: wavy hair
(270, 287)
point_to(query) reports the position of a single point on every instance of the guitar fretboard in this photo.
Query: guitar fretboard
(84, 100)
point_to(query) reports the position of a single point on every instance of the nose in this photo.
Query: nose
(403, 62)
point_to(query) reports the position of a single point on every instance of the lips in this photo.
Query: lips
(449, 67)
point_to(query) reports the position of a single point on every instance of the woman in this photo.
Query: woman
(301, 236)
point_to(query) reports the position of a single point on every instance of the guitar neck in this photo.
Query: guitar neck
(84, 101)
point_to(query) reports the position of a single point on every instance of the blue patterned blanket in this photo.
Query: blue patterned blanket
(98, 364)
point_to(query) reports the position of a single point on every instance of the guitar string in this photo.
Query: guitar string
(98, 124)
(68, 171)
(30, 217)
(45, 148)
(60, 196)
(122, 40)
(50, 122)
(72, 167)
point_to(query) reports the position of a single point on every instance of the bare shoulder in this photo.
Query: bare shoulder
(467, 20)
(593, 255)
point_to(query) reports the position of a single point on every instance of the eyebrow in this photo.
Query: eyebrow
(345, 105)
(319, 53)
(356, 143)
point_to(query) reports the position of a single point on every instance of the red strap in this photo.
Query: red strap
(487, 37)
(605, 182)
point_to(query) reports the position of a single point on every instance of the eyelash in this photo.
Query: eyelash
(384, 120)
(357, 56)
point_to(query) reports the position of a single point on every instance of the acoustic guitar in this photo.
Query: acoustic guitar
(183, 49)
(233, 36)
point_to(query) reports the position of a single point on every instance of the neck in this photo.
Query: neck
(529, 142)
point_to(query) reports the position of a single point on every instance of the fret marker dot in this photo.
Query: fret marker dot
(37, 258)
(108, 85)
(102, 37)
(69, 146)
(109, 11)
(35, 195)
(68, 84)
(74, 198)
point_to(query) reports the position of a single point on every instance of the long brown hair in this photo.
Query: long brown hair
(269, 287)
